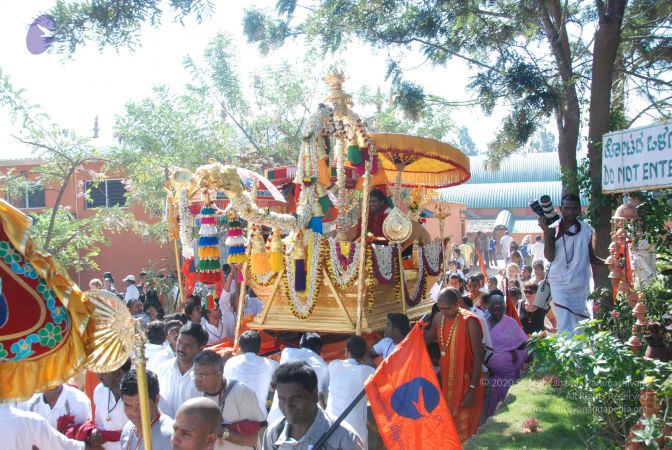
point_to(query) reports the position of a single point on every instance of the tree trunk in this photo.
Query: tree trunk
(605, 51)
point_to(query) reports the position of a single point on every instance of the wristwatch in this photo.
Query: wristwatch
(225, 434)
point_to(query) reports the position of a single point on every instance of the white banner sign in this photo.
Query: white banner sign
(637, 158)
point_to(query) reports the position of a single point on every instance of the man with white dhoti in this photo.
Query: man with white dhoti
(346, 381)
(311, 347)
(251, 369)
(569, 248)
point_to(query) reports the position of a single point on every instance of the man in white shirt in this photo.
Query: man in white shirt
(23, 430)
(537, 249)
(110, 415)
(311, 347)
(250, 368)
(480, 308)
(175, 376)
(505, 243)
(395, 331)
(346, 381)
(168, 349)
(132, 292)
(237, 402)
(162, 425)
(213, 325)
(156, 340)
(63, 400)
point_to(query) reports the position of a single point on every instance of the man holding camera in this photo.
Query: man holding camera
(570, 251)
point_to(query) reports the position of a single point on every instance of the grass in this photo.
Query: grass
(559, 417)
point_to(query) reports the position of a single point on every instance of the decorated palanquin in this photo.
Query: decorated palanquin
(43, 317)
(305, 263)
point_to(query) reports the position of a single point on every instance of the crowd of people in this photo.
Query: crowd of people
(202, 398)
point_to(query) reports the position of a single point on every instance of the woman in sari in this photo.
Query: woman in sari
(508, 353)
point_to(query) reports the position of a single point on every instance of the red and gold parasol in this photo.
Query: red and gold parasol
(423, 162)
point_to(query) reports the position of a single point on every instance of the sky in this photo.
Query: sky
(98, 83)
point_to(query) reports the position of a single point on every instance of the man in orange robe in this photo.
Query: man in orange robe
(460, 338)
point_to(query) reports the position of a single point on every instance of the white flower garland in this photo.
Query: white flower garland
(421, 272)
(432, 252)
(384, 260)
(304, 309)
(264, 278)
(343, 276)
(185, 223)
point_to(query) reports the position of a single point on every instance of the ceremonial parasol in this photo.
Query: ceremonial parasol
(416, 162)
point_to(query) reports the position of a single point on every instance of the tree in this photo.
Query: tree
(542, 142)
(73, 241)
(465, 143)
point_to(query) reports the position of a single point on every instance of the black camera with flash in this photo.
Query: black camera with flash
(544, 208)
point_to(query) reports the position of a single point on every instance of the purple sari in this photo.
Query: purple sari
(507, 336)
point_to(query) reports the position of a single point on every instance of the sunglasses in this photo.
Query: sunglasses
(530, 291)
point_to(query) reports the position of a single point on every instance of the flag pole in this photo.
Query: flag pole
(327, 434)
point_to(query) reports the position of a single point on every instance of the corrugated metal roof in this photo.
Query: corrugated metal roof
(504, 220)
(503, 195)
(516, 168)
(528, 226)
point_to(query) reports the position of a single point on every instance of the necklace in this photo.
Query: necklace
(568, 259)
(133, 432)
(213, 329)
(444, 344)
(109, 410)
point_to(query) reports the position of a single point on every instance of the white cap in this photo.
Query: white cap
(130, 278)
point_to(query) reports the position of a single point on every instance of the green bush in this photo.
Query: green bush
(597, 369)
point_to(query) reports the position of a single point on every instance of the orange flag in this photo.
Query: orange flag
(407, 402)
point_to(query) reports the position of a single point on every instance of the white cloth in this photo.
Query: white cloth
(153, 350)
(347, 379)
(537, 251)
(21, 430)
(505, 243)
(162, 431)
(253, 370)
(132, 293)
(109, 413)
(384, 347)
(165, 354)
(216, 333)
(175, 387)
(228, 314)
(315, 361)
(253, 306)
(71, 402)
(487, 339)
(240, 404)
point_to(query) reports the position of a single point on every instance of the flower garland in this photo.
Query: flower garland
(383, 263)
(315, 243)
(265, 279)
(432, 254)
(344, 275)
(419, 292)
(370, 280)
(185, 223)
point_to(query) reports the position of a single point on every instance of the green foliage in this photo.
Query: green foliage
(465, 143)
(543, 142)
(600, 371)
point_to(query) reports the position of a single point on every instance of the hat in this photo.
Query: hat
(130, 278)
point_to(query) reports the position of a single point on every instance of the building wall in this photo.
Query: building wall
(454, 225)
(127, 253)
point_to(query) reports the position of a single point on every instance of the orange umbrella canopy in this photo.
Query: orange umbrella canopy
(426, 162)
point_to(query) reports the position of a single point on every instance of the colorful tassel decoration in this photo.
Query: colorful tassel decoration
(299, 256)
(323, 200)
(209, 268)
(277, 253)
(324, 171)
(259, 258)
(235, 242)
(315, 223)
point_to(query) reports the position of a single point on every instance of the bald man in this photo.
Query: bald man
(196, 425)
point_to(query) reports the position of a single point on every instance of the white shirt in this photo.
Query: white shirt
(505, 242)
(175, 387)
(71, 402)
(216, 334)
(109, 413)
(315, 361)
(162, 431)
(132, 293)
(21, 430)
(165, 354)
(153, 350)
(240, 404)
(228, 315)
(487, 339)
(571, 267)
(253, 306)
(384, 347)
(537, 251)
(347, 379)
(253, 370)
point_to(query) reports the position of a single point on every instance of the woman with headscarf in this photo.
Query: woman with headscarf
(508, 353)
